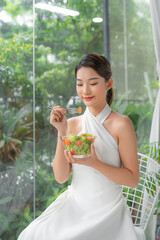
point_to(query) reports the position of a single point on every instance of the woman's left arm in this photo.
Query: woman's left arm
(128, 153)
(127, 175)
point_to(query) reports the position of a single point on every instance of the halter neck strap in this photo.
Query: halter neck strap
(102, 115)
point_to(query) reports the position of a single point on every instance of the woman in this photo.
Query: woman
(93, 206)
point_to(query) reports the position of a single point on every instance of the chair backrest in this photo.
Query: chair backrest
(141, 200)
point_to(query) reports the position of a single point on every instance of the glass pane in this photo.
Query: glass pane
(133, 63)
(16, 134)
(61, 40)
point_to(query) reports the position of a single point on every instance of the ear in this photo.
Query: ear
(109, 84)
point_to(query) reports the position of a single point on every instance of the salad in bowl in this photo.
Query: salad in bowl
(78, 146)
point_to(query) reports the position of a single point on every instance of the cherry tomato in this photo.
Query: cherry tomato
(89, 138)
(78, 143)
(79, 110)
(66, 141)
(72, 152)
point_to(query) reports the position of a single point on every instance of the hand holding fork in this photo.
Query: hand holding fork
(58, 118)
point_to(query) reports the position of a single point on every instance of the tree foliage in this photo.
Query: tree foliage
(60, 42)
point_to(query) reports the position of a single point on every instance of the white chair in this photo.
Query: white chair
(141, 200)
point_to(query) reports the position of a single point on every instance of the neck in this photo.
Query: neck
(95, 110)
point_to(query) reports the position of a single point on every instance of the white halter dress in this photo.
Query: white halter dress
(93, 206)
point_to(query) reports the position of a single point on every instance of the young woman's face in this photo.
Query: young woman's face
(91, 87)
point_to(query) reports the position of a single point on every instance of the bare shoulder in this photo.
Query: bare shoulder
(123, 126)
(74, 125)
(127, 142)
(121, 122)
(118, 126)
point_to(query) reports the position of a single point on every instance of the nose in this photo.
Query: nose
(86, 89)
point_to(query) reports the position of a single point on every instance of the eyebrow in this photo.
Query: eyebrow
(94, 78)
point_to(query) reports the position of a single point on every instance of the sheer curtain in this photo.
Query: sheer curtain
(155, 16)
(155, 127)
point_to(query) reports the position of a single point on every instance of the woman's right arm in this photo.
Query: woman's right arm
(61, 167)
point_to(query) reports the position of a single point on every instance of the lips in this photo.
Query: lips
(88, 98)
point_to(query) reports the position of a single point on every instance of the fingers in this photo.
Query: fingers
(89, 160)
(69, 157)
(92, 148)
(57, 114)
(93, 152)
(58, 109)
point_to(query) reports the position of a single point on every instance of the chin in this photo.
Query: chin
(88, 103)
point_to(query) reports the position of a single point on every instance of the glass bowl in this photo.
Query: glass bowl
(78, 146)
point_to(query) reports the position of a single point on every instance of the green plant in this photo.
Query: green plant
(140, 115)
(152, 150)
(14, 130)
(16, 208)
(12, 224)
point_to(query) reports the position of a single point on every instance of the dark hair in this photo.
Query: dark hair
(102, 66)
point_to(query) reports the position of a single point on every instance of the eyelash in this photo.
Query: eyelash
(94, 84)
(80, 85)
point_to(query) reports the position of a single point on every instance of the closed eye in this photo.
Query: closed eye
(94, 83)
(80, 85)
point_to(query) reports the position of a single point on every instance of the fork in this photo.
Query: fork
(70, 110)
